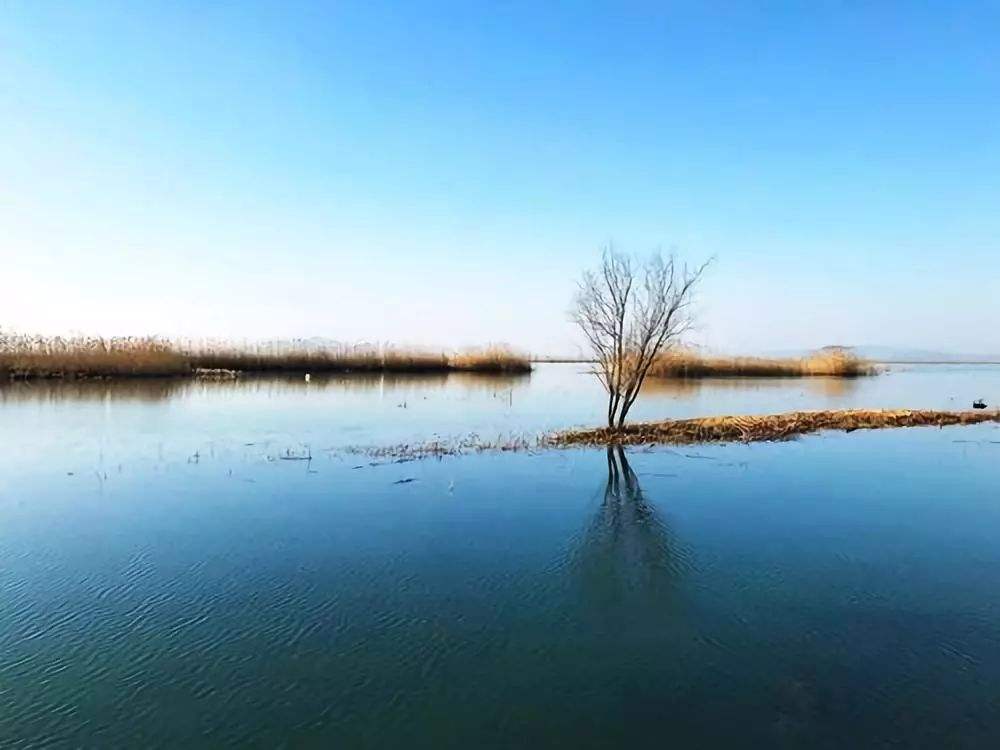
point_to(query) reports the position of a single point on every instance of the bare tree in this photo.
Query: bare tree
(631, 311)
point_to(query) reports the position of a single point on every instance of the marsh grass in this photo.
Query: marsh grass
(28, 357)
(495, 358)
(302, 356)
(771, 427)
(686, 363)
(24, 357)
(703, 430)
(439, 448)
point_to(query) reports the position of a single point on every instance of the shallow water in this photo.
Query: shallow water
(99, 424)
(168, 578)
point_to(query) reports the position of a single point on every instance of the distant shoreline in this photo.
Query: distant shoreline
(936, 362)
(225, 374)
(93, 358)
(567, 360)
(35, 358)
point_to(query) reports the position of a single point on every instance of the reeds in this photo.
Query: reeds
(494, 358)
(23, 357)
(686, 363)
(769, 427)
(305, 356)
(28, 357)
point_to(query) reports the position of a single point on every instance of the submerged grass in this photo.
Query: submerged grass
(771, 427)
(441, 447)
(29, 357)
(685, 363)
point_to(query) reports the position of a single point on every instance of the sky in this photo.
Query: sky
(439, 174)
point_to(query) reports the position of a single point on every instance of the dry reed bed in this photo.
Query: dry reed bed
(29, 357)
(689, 364)
(490, 359)
(772, 427)
(292, 358)
(25, 357)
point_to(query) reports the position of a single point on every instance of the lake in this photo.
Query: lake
(169, 576)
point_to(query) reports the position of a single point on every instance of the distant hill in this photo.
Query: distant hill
(902, 354)
(879, 353)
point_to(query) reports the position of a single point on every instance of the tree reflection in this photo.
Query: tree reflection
(627, 560)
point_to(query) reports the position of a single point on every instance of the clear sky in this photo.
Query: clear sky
(440, 173)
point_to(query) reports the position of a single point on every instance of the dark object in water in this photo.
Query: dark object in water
(978, 404)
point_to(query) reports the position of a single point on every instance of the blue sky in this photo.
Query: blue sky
(440, 173)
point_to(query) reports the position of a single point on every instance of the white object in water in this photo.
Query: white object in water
(307, 377)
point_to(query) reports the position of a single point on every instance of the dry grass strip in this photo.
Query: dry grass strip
(748, 429)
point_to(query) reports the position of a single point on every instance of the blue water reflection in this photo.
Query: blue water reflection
(166, 580)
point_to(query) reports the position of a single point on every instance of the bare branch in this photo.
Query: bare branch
(629, 321)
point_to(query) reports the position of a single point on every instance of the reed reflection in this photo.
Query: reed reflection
(162, 389)
(148, 390)
(829, 387)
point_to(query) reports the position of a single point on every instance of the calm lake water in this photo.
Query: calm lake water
(167, 578)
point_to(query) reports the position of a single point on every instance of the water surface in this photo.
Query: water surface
(167, 578)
